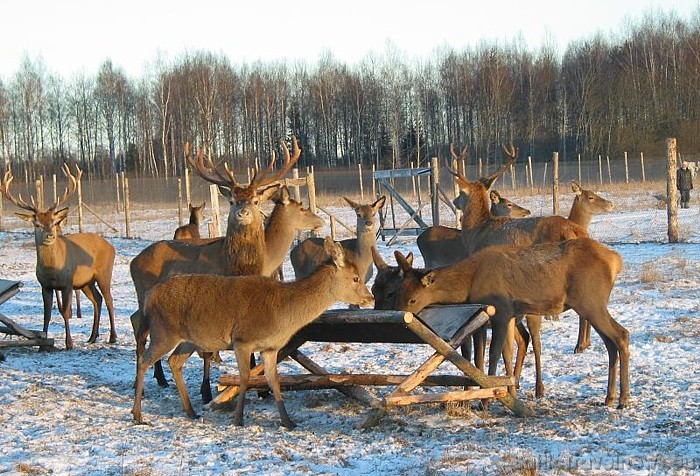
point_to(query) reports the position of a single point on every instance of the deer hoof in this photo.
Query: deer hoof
(113, 338)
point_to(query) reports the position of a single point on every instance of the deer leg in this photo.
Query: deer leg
(270, 363)
(145, 359)
(243, 361)
(205, 388)
(67, 296)
(106, 289)
(78, 312)
(584, 336)
(47, 295)
(176, 362)
(616, 340)
(479, 339)
(522, 338)
(95, 298)
(534, 323)
(507, 353)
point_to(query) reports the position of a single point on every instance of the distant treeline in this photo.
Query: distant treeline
(603, 96)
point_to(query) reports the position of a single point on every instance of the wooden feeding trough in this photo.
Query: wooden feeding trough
(444, 328)
(27, 337)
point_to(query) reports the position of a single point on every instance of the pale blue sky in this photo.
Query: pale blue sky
(74, 36)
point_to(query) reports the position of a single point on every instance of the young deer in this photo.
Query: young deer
(585, 205)
(543, 279)
(81, 261)
(191, 230)
(252, 313)
(309, 254)
(442, 245)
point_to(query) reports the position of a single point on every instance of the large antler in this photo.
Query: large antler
(512, 152)
(5, 187)
(267, 177)
(210, 174)
(19, 201)
(461, 179)
(70, 189)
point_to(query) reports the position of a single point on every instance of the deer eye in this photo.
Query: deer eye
(411, 301)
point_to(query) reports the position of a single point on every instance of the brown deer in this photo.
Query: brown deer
(309, 254)
(190, 231)
(536, 279)
(81, 261)
(442, 245)
(586, 204)
(480, 230)
(242, 251)
(252, 313)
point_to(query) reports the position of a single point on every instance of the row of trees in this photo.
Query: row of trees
(603, 96)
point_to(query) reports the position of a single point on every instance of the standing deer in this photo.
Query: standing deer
(190, 231)
(442, 245)
(252, 313)
(309, 254)
(243, 251)
(585, 205)
(537, 279)
(81, 261)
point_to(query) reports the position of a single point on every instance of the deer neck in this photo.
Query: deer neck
(245, 249)
(578, 215)
(478, 210)
(279, 236)
(194, 220)
(51, 258)
(309, 297)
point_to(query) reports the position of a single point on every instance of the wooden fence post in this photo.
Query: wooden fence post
(179, 202)
(641, 159)
(600, 169)
(216, 219)
(119, 195)
(607, 158)
(555, 184)
(627, 170)
(434, 182)
(80, 205)
(579, 168)
(55, 188)
(532, 181)
(362, 188)
(295, 188)
(127, 207)
(39, 185)
(671, 192)
(188, 190)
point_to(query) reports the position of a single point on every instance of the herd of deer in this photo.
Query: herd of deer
(208, 295)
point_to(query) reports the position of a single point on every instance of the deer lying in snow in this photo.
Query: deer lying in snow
(254, 313)
(543, 279)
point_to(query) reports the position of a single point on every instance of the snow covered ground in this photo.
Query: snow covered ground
(68, 412)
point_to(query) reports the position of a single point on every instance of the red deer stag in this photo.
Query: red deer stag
(65, 263)
(190, 231)
(540, 279)
(480, 230)
(442, 245)
(252, 313)
(309, 254)
(242, 251)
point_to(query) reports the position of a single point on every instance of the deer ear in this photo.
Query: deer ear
(379, 203)
(494, 196)
(378, 260)
(576, 187)
(26, 216)
(284, 195)
(354, 205)
(403, 261)
(60, 215)
(428, 279)
(269, 192)
(226, 192)
(409, 258)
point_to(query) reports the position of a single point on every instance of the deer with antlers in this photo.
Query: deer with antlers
(442, 245)
(190, 231)
(65, 263)
(244, 249)
(252, 313)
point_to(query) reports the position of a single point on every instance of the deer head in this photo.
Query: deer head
(47, 224)
(245, 200)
